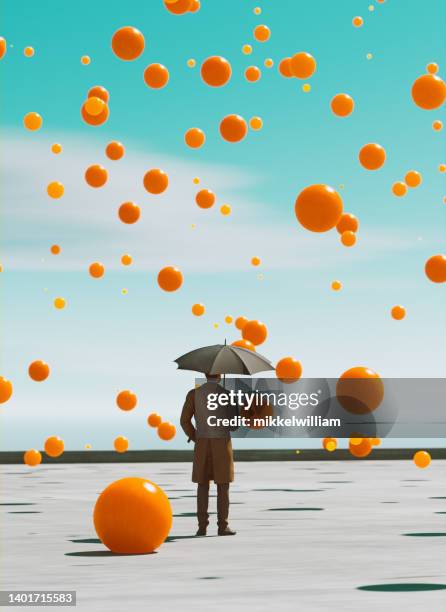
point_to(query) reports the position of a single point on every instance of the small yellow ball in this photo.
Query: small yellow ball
(247, 49)
(225, 209)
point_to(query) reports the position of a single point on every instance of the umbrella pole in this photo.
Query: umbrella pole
(224, 375)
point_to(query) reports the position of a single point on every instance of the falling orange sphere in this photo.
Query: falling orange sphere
(32, 121)
(156, 181)
(85, 60)
(126, 259)
(94, 105)
(246, 344)
(95, 120)
(255, 123)
(205, 198)
(194, 138)
(156, 76)
(437, 125)
(399, 189)
(255, 332)
(357, 22)
(252, 74)
(5, 390)
(198, 310)
(55, 249)
(129, 212)
(38, 371)
(154, 419)
(28, 51)
(96, 270)
(179, 7)
(422, 459)
(114, 150)
(413, 179)
(127, 43)
(121, 444)
(59, 303)
(360, 390)
(348, 238)
(302, 65)
(329, 444)
(398, 312)
(99, 92)
(342, 105)
(32, 457)
(262, 33)
(54, 446)
(429, 91)
(361, 450)
(170, 278)
(288, 370)
(132, 516)
(55, 190)
(96, 175)
(255, 261)
(240, 322)
(126, 400)
(3, 47)
(318, 208)
(372, 156)
(216, 71)
(435, 268)
(285, 67)
(347, 222)
(56, 148)
(166, 430)
(432, 68)
(336, 285)
(233, 128)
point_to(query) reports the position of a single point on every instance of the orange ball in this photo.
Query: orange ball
(32, 457)
(399, 189)
(99, 92)
(59, 303)
(437, 125)
(361, 450)
(154, 419)
(132, 516)
(156, 181)
(195, 6)
(114, 150)
(256, 261)
(179, 7)
(96, 269)
(255, 332)
(95, 119)
(55, 190)
(413, 179)
(170, 278)
(262, 33)
(372, 156)
(422, 459)
(435, 268)
(429, 91)
(121, 444)
(336, 285)
(303, 65)
(166, 430)
(32, 121)
(348, 238)
(94, 105)
(96, 175)
(285, 67)
(329, 444)
(38, 371)
(129, 212)
(360, 390)
(246, 344)
(3, 47)
(342, 105)
(216, 71)
(156, 76)
(5, 390)
(198, 310)
(398, 312)
(347, 222)
(55, 249)
(288, 370)
(205, 198)
(318, 208)
(194, 138)
(252, 74)
(54, 446)
(432, 68)
(28, 52)
(240, 322)
(357, 22)
(233, 128)
(126, 400)
(56, 148)
(127, 43)
(126, 259)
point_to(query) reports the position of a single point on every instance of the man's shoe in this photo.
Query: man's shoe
(226, 531)
(201, 531)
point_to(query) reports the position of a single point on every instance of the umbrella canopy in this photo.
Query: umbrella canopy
(223, 359)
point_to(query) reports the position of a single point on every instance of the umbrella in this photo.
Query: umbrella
(223, 359)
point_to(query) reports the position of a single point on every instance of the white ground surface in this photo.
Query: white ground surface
(308, 534)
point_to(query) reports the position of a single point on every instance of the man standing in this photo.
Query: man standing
(212, 452)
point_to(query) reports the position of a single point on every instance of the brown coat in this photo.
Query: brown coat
(212, 456)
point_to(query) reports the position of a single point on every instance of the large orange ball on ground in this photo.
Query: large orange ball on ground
(166, 430)
(288, 370)
(361, 450)
(246, 344)
(342, 105)
(96, 175)
(435, 268)
(38, 371)
(194, 138)
(126, 400)
(156, 181)
(32, 457)
(156, 76)
(95, 119)
(216, 71)
(132, 516)
(302, 65)
(54, 446)
(360, 390)
(121, 444)
(154, 419)
(233, 128)
(255, 332)
(205, 198)
(318, 208)
(422, 459)
(429, 91)
(170, 278)
(96, 269)
(5, 390)
(129, 212)
(114, 150)
(127, 43)
(372, 156)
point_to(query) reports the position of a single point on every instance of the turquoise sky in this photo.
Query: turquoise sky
(104, 341)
